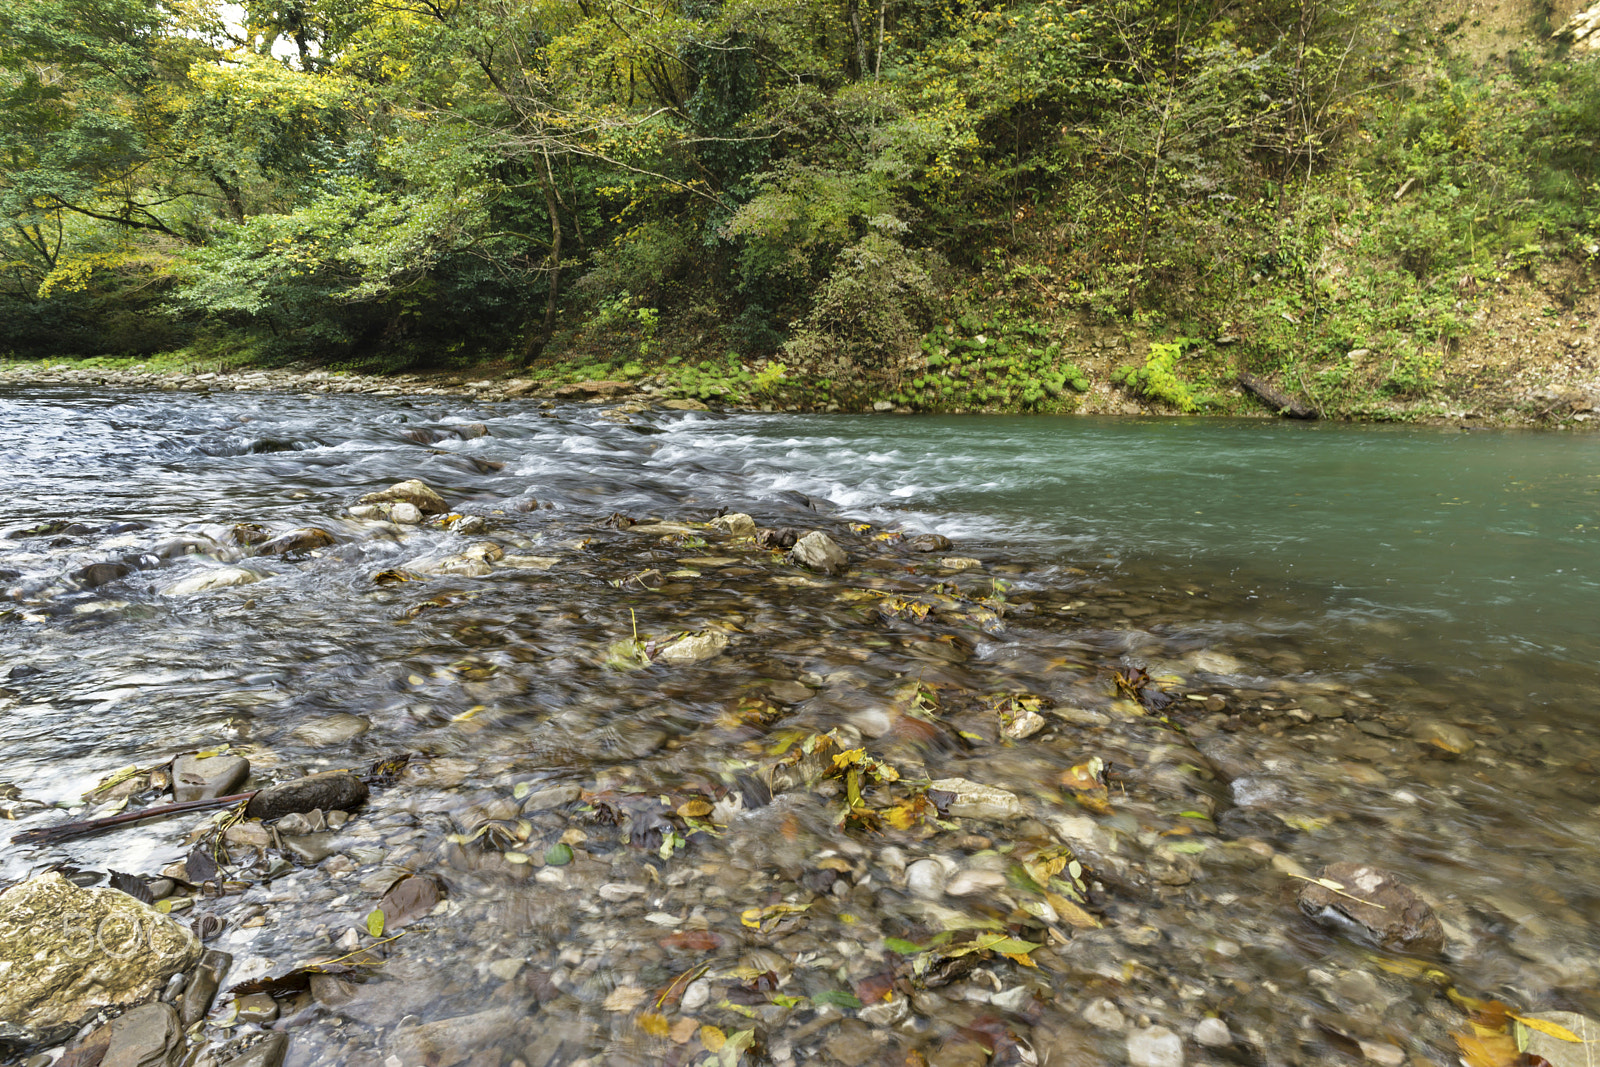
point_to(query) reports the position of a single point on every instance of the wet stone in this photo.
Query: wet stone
(50, 982)
(257, 1008)
(305, 539)
(554, 796)
(332, 730)
(1445, 738)
(269, 1052)
(1212, 1033)
(412, 492)
(310, 849)
(329, 790)
(97, 574)
(818, 551)
(196, 778)
(1373, 906)
(147, 1036)
(1155, 1046)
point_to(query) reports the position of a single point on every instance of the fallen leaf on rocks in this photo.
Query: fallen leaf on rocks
(712, 1038)
(1086, 782)
(691, 941)
(1545, 1026)
(773, 918)
(694, 809)
(1071, 914)
(408, 900)
(683, 1030)
(623, 998)
(654, 1025)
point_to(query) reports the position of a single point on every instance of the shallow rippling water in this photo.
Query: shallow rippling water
(1312, 597)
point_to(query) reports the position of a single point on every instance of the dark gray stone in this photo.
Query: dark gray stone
(203, 983)
(1374, 906)
(97, 574)
(329, 790)
(269, 1053)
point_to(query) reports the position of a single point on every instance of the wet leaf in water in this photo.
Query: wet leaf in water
(773, 918)
(1545, 1026)
(132, 885)
(838, 998)
(558, 855)
(199, 864)
(1086, 782)
(408, 900)
(905, 948)
(691, 941)
(712, 1038)
(623, 998)
(654, 1025)
(375, 922)
(694, 809)
(1070, 913)
(386, 772)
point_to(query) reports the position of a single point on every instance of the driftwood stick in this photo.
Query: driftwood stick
(1275, 398)
(62, 831)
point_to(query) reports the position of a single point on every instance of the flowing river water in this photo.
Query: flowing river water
(1380, 646)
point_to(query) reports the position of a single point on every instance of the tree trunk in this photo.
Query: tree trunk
(537, 342)
(856, 64)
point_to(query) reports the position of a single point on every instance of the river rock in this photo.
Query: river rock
(1374, 906)
(1448, 738)
(684, 405)
(332, 730)
(200, 778)
(305, 539)
(1212, 1032)
(1155, 1046)
(203, 984)
(411, 491)
(555, 796)
(65, 951)
(220, 578)
(269, 1053)
(929, 542)
(594, 387)
(405, 513)
(739, 524)
(974, 800)
(97, 574)
(818, 551)
(329, 790)
(782, 537)
(961, 563)
(147, 1036)
(692, 648)
(447, 1042)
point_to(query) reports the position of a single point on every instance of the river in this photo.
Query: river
(1381, 641)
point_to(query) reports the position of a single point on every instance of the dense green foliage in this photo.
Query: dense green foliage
(822, 181)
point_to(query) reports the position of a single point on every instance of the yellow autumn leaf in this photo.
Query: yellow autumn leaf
(1544, 1026)
(712, 1038)
(694, 809)
(654, 1025)
(849, 758)
(1072, 914)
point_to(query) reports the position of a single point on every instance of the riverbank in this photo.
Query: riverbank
(683, 789)
(1501, 391)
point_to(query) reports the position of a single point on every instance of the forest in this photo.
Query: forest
(847, 190)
